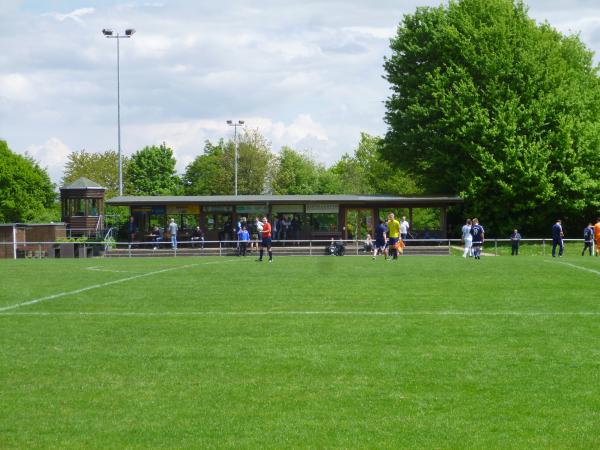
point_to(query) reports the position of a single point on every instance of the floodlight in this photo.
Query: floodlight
(129, 31)
(229, 122)
(107, 32)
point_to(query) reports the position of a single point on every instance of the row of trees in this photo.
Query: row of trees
(26, 193)
(151, 171)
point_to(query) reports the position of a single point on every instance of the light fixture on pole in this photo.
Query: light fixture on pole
(235, 159)
(110, 34)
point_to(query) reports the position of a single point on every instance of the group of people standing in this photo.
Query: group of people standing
(473, 237)
(390, 237)
(591, 236)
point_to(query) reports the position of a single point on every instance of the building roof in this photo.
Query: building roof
(284, 199)
(83, 183)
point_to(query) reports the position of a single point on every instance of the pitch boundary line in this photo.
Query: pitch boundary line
(310, 313)
(596, 272)
(108, 283)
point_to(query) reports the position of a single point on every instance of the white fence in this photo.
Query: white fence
(289, 247)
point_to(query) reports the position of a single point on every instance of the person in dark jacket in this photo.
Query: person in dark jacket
(515, 238)
(588, 238)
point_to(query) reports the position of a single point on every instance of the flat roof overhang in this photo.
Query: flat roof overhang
(364, 200)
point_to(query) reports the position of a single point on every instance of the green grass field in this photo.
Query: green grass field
(322, 352)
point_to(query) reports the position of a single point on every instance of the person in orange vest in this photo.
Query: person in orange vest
(597, 236)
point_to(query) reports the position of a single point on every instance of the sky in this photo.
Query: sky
(306, 74)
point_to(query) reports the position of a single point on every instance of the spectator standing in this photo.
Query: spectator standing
(557, 239)
(404, 226)
(243, 239)
(478, 234)
(295, 227)
(266, 239)
(515, 238)
(467, 238)
(259, 228)
(173, 228)
(588, 239)
(286, 224)
(131, 229)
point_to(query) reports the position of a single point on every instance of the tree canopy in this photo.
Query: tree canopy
(26, 192)
(212, 173)
(366, 172)
(297, 173)
(152, 172)
(100, 167)
(490, 105)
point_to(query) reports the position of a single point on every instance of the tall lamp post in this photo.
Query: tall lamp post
(235, 125)
(110, 34)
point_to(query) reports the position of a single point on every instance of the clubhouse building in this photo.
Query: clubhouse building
(315, 216)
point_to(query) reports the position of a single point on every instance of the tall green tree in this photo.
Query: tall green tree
(152, 172)
(212, 173)
(490, 105)
(209, 174)
(100, 167)
(367, 172)
(297, 173)
(26, 192)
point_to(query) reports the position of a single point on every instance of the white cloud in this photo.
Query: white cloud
(16, 87)
(306, 74)
(52, 155)
(75, 15)
(375, 32)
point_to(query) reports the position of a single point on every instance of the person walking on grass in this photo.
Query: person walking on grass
(173, 228)
(478, 234)
(393, 227)
(557, 239)
(467, 239)
(588, 239)
(380, 239)
(515, 238)
(266, 240)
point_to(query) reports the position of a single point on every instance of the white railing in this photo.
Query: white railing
(313, 247)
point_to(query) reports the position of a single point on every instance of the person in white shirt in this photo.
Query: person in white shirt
(467, 238)
(404, 226)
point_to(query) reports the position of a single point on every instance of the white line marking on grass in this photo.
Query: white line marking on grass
(576, 267)
(313, 313)
(98, 269)
(108, 283)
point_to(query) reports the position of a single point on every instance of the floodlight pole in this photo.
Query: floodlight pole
(109, 34)
(235, 159)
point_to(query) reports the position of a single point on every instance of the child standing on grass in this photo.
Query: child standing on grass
(243, 239)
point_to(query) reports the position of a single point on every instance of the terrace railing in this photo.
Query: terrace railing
(314, 247)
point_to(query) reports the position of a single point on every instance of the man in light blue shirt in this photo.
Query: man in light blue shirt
(173, 228)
